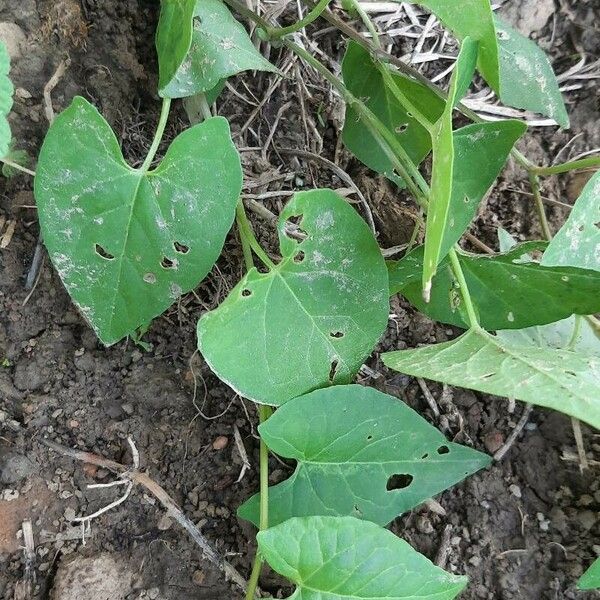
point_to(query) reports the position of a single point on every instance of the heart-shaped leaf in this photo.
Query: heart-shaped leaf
(590, 580)
(526, 76)
(6, 100)
(343, 558)
(381, 453)
(442, 174)
(199, 43)
(559, 379)
(126, 242)
(577, 243)
(510, 290)
(364, 80)
(311, 320)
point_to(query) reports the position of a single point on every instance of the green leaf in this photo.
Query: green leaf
(127, 243)
(310, 321)
(559, 379)
(343, 558)
(363, 79)
(510, 290)
(575, 333)
(173, 37)
(590, 580)
(480, 152)
(442, 174)
(199, 44)
(526, 77)
(6, 100)
(360, 453)
(474, 19)
(577, 243)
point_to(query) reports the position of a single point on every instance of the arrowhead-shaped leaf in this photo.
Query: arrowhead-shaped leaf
(360, 453)
(364, 80)
(199, 43)
(526, 76)
(563, 380)
(480, 153)
(510, 290)
(127, 243)
(474, 19)
(577, 243)
(442, 174)
(310, 321)
(343, 558)
(590, 580)
(6, 100)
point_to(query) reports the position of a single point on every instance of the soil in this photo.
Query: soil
(523, 529)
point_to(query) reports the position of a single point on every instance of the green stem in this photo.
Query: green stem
(277, 32)
(464, 290)
(249, 240)
(264, 412)
(584, 163)
(160, 130)
(204, 107)
(539, 204)
(367, 22)
(576, 332)
(17, 166)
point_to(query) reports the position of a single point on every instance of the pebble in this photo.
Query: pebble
(515, 490)
(220, 443)
(165, 522)
(153, 593)
(198, 577)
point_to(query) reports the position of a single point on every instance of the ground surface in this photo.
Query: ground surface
(523, 529)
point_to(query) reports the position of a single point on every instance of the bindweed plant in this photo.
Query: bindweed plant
(295, 330)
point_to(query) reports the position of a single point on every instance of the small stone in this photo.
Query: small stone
(585, 500)
(90, 470)
(587, 519)
(127, 408)
(475, 561)
(198, 577)
(165, 522)
(515, 490)
(493, 441)
(153, 593)
(220, 443)
(424, 525)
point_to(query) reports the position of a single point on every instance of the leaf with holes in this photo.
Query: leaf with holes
(511, 291)
(559, 379)
(474, 19)
(343, 558)
(526, 77)
(199, 43)
(127, 243)
(6, 100)
(590, 580)
(364, 80)
(313, 318)
(442, 174)
(480, 152)
(577, 243)
(360, 453)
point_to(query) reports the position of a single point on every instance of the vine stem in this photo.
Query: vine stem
(17, 166)
(534, 182)
(367, 22)
(160, 130)
(464, 290)
(204, 107)
(249, 241)
(277, 32)
(264, 412)
(584, 163)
